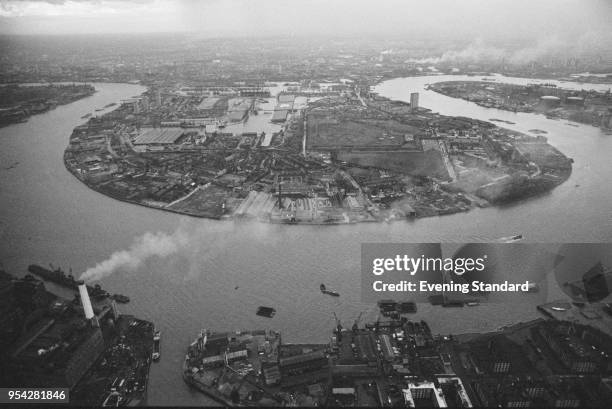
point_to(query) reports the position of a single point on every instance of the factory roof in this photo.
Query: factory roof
(284, 106)
(279, 115)
(158, 136)
(286, 98)
(298, 359)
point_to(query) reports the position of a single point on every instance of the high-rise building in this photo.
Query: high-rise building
(414, 101)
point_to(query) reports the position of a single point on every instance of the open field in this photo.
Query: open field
(428, 163)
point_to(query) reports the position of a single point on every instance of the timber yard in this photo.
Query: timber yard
(305, 153)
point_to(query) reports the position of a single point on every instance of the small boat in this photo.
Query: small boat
(324, 290)
(267, 312)
(124, 299)
(156, 346)
(510, 239)
(472, 303)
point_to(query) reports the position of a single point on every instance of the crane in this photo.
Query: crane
(338, 327)
(356, 324)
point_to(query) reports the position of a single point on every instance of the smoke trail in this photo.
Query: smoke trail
(193, 240)
(589, 44)
(144, 247)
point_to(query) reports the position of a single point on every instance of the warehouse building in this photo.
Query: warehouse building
(158, 136)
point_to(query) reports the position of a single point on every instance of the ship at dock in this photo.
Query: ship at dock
(59, 277)
(156, 346)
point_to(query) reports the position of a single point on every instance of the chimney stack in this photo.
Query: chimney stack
(85, 301)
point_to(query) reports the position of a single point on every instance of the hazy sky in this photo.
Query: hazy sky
(473, 18)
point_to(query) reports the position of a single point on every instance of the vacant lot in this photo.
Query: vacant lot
(330, 132)
(427, 163)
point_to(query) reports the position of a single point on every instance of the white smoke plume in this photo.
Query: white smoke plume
(591, 43)
(192, 241)
(149, 245)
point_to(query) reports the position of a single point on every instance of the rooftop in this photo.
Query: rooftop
(158, 135)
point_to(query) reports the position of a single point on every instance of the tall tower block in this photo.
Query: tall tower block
(414, 101)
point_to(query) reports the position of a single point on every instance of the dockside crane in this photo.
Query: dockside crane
(356, 323)
(338, 328)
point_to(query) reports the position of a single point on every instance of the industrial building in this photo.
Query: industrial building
(158, 136)
(61, 347)
(280, 116)
(424, 394)
(550, 101)
(286, 98)
(304, 368)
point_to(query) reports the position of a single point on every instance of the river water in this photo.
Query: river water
(226, 270)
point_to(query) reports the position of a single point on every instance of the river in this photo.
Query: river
(48, 216)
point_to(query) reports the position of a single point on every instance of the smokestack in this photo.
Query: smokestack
(89, 314)
(115, 311)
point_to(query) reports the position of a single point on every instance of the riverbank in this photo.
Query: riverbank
(257, 370)
(587, 107)
(19, 103)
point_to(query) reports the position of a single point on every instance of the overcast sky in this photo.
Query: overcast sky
(472, 18)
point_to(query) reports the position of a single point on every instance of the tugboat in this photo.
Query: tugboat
(156, 346)
(324, 290)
